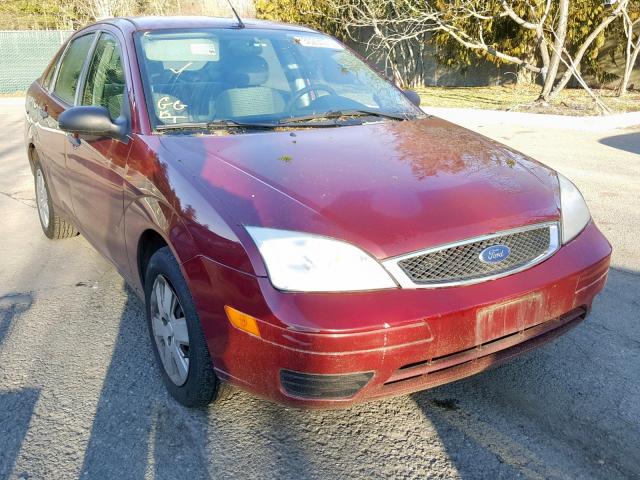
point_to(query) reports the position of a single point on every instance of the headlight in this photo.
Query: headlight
(575, 213)
(308, 263)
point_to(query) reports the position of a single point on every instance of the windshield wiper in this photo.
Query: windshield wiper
(216, 125)
(302, 121)
(182, 126)
(337, 114)
(234, 124)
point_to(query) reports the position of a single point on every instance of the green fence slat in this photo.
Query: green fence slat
(24, 54)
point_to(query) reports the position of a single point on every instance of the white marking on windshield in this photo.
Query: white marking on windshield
(318, 42)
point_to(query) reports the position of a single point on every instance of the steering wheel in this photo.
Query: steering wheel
(176, 83)
(308, 89)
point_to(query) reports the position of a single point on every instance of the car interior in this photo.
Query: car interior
(209, 78)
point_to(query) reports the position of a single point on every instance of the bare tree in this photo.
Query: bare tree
(632, 49)
(584, 47)
(91, 10)
(538, 27)
(84, 11)
(395, 24)
(560, 37)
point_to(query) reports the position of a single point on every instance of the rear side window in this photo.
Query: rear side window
(48, 74)
(70, 68)
(105, 80)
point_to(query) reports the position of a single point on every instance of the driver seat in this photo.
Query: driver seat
(248, 96)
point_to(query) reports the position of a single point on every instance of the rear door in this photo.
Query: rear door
(51, 141)
(97, 166)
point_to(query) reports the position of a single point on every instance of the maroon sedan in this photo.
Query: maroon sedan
(297, 226)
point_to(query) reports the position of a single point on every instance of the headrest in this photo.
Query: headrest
(247, 71)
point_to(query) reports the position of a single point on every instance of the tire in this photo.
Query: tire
(200, 386)
(53, 226)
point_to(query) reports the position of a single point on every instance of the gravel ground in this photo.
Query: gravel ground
(80, 395)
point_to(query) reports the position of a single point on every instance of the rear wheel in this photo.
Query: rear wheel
(176, 335)
(52, 225)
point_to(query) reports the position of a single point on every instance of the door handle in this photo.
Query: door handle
(42, 111)
(74, 139)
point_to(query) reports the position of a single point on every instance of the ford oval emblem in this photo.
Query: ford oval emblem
(495, 254)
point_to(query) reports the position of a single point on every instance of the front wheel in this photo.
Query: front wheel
(176, 335)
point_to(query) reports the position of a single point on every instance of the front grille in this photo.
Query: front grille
(461, 262)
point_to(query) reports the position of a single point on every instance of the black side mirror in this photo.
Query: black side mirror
(412, 96)
(91, 122)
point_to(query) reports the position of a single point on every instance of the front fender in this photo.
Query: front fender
(148, 213)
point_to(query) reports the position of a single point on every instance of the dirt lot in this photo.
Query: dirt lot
(80, 395)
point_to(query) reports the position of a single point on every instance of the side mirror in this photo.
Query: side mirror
(90, 122)
(412, 96)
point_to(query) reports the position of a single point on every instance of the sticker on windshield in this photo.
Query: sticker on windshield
(204, 49)
(318, 41)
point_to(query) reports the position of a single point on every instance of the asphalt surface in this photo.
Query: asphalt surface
(81, 397)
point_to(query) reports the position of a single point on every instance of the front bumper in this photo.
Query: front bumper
(406, 339)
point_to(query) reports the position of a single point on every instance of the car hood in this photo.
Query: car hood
(390, 187)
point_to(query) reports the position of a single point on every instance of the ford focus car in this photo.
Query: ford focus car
(296, 225)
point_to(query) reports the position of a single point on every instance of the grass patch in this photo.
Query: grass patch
(521, 98)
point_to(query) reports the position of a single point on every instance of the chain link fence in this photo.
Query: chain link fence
(24, 54)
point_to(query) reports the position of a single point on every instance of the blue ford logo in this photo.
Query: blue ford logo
(495, 254)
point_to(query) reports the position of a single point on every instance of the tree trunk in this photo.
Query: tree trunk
(544, 54)
(631, 55)
(558, 47)
(395, 70)
(585, 46)
(624, 84)
(525, 76)
(391, 56)
(103, 9)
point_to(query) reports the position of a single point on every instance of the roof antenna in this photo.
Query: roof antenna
(240, 22)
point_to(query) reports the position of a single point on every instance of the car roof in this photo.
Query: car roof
(159, 23)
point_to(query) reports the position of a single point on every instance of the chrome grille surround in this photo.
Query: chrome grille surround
(459, 263)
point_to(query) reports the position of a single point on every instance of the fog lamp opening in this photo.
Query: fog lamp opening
(323, 386)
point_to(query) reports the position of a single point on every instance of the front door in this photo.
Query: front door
(97, 166)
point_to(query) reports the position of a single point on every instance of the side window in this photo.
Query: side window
(105, 79)
(48, 74)
(71, 66)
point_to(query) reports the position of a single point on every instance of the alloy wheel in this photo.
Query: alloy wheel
(42, 199)
(170, 331)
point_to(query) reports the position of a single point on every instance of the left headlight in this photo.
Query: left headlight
(575, 213)
(303, 262)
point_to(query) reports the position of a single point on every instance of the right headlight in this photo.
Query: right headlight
(575, 213)
(302, 262)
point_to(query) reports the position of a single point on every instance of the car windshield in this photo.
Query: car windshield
(262, 77)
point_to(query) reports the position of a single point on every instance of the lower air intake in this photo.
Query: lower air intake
(317, 386)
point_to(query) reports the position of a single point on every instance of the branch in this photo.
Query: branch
(585, 46)
(571, 66)
(488, 49)
(517, 18)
